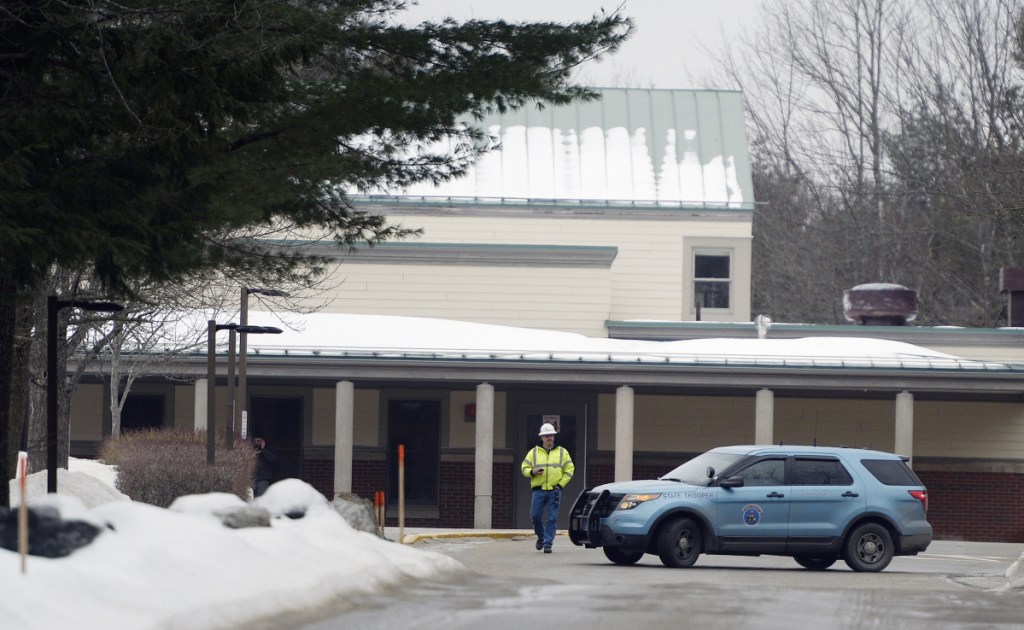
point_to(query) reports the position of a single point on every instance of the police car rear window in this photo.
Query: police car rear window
(891, 472)
(818, 472)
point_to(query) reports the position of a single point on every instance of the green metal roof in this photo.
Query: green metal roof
(632, 147)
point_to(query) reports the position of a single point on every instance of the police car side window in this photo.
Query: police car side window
(819, 472)
(767, 472)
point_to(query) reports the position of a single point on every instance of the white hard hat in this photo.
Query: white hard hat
(547, 429)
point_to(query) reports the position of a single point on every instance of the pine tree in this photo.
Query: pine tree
(144, 138)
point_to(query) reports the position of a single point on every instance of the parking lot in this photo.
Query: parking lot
(952, 585)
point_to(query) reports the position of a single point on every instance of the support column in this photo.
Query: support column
(200, 404)
(764, 417)
(624, 433)
(344, 421)
(905, 425)
(484, 462)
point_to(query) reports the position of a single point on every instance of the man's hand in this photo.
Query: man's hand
(538, 471)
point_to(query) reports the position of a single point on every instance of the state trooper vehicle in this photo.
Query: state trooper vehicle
(816, 504)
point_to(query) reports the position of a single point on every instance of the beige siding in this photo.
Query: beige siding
(570, 299)
(649, 278)
(323, 429)
(647, 275)
(184, 407)
(87, 409)
(968, 430)
(1010, 353)
(863, 423)
(680, 424)
(462, 434)
(367, 418)
(941, 429)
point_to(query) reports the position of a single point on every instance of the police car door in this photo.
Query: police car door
(825, 497)
(755, 516)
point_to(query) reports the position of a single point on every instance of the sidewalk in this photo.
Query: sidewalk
(413, 535)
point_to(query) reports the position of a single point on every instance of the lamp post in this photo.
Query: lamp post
(211, 376)
(53, 307)
(243, 317)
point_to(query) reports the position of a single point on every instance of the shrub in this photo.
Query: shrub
(157, 466)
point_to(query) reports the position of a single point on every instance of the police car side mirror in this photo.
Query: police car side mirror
(731, 482)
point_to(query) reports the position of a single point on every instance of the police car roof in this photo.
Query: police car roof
(800, 449)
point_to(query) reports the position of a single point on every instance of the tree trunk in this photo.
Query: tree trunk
(8, 427)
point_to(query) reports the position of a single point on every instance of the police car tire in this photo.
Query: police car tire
(679, 544)
(619, 556)
(814, 563)
(869, 548)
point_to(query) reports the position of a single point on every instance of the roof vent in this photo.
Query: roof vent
(880, 304)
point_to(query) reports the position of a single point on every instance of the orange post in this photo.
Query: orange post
(378, 502)
(23, 512)
(401, 492)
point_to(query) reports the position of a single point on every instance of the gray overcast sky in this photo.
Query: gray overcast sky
(664, 44)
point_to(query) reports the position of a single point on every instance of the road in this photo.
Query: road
(511, 585)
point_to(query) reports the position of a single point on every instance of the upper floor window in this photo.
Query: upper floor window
(712, 276)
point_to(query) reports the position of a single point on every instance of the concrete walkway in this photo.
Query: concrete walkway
(413, 535)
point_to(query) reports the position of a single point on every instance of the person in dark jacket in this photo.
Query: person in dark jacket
(266, 462)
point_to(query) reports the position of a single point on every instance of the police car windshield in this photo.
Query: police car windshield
(695, 471)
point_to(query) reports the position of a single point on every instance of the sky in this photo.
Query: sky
(666, 49)
(180, 568)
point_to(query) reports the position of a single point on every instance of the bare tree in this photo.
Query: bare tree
(886, 121)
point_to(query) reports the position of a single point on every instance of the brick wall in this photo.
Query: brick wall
(457, 501)
(978, 506)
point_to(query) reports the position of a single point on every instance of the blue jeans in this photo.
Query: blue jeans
(544, 525)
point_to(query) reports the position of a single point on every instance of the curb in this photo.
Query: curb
(411, 539)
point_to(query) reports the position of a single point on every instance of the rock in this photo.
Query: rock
(358, 512)
(48, 535)
(245, 516)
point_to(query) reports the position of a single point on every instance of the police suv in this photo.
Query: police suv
(816, 504)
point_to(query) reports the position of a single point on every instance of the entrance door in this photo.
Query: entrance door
(280, 420)
(416, 425)
(570, 419)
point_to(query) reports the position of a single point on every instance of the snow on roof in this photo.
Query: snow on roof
(633, 146)
(341, 334)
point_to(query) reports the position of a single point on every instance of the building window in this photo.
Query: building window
(712, 276)
(142, 411)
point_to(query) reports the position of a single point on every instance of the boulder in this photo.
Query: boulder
(245, 516)
(49, 535)
(358, 512)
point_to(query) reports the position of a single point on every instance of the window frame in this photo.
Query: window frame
(728, 282)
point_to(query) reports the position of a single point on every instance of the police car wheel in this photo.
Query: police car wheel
(619, 556)
(813, 563)
(869, 548)
(679, 543)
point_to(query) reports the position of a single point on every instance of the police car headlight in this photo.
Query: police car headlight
(630, 501)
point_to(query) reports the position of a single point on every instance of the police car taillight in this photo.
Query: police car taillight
(922, 496)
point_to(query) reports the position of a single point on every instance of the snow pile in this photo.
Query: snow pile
(1015, 574)
(181, 568)
(90, 481)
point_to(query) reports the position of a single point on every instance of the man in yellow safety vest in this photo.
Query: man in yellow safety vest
(549, 469)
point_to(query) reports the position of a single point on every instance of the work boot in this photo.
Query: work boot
(547, 549)
(540, 543)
